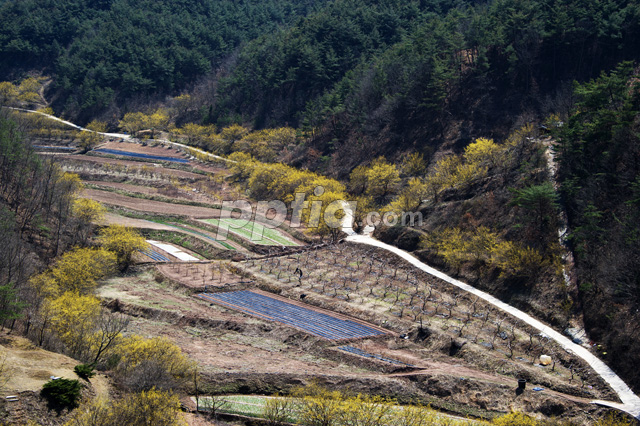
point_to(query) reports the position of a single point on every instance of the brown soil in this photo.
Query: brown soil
(149, 206)
(193, 419)
(191, 275)
(146, 190)
(112, 218)
(166, 191)
(232, 347)
(144, 149)
(31, 367)
(218, 338)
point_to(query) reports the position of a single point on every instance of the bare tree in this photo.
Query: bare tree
(278, 410)
(214, 404)
(110, 326)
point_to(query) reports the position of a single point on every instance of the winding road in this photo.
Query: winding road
(630, 401)
(177, 145)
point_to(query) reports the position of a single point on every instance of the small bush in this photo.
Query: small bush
(515, 419)
(84, 371)
(62, 393)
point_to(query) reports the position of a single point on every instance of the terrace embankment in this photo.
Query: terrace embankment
(241, 353)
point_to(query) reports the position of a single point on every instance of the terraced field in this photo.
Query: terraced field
(360, 352)
(140, 155)
(254, 406)
(253, 231)
(312, 321)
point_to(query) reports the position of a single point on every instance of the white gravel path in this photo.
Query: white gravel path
(630, 401)
(180, 146)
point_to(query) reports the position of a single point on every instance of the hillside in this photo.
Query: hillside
(508, 127)
(105, 55)
(454, 74)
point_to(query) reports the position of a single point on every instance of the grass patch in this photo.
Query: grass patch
(173, 222)
(251, 230)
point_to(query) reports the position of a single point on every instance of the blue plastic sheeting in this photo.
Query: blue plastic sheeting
(268, 308)
(360, 352)
(138, 155)
(154, 255)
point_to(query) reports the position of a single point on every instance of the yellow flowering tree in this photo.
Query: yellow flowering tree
(78, 270)
(122, 241)
(151, 407)
(73, 319)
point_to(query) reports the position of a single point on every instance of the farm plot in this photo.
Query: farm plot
(253, 231)
(360, 352)
(312, 321)
(366, 280)
(256, 405)
(148, 206)
(140, 155)
(154, 255)
(223, 244)
(174, 251)
(199, 275)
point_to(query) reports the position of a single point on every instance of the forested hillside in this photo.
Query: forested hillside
(37, 218)
(343, 70)
(105, 53)
(455, 73)
(600, 172)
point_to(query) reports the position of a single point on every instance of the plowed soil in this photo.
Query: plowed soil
(143, 149)
(154, 191)
(236, 345)
(158, 207)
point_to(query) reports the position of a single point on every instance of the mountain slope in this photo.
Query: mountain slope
(104, 53)
(464, 72)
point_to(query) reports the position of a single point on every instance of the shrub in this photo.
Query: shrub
(62, 393)
(613, 419)
(84, 371)
(158, 362)
(138, 409)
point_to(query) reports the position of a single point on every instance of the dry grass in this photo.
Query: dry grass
(30, 367)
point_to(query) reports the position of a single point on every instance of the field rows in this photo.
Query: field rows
(154, 255)
(358, 276)
(271, 309)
